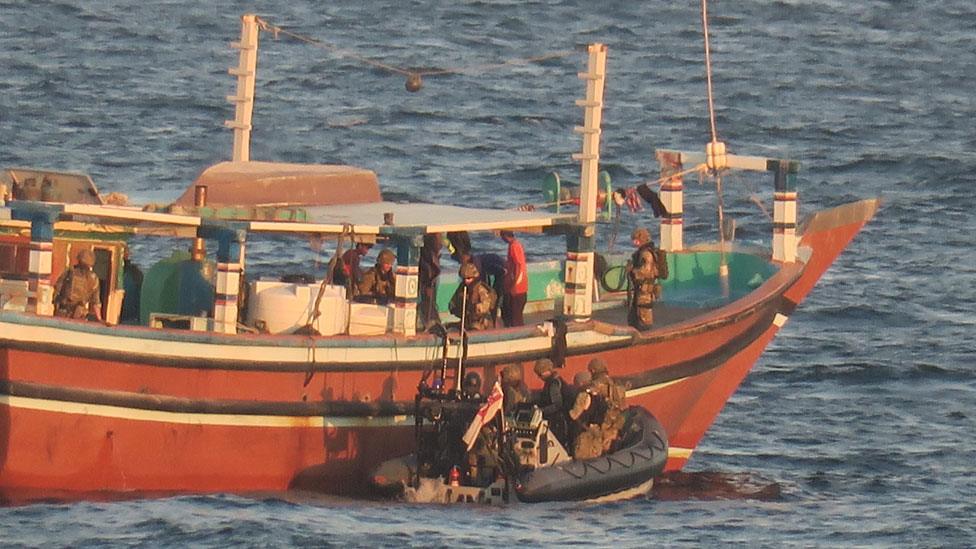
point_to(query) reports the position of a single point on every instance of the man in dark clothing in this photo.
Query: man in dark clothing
(554, 399)
(347, 272)
(429, 269)
(132, 283)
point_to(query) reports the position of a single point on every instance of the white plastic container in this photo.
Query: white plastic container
(367, 319)
(282, 307)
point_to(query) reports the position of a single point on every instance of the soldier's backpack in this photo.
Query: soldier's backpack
(661, 259)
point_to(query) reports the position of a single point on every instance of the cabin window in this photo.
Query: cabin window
(14, 260)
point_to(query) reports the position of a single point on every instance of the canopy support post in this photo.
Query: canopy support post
(40, 293)
(784, 210)
(406, 292)
(672, 196)
(230, 272)
(42, 216)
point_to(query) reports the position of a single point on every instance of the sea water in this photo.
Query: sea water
(856, 427)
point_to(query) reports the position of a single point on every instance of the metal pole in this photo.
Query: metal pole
(461, 346)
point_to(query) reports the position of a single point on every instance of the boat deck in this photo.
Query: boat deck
(612, 309)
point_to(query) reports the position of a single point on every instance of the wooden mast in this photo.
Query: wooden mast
(244, 99)
(580, 245)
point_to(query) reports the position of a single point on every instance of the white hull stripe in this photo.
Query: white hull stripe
(655, 387)
(297, 354)
(223, 420)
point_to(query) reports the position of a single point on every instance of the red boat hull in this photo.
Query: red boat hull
(104, 421)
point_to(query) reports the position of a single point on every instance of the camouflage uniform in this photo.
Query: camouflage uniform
(589, 411)
(599, 409)
(512, 390)
(613, 421)
(643, 273)
(77, 292)
(378, 283)
(481, 299)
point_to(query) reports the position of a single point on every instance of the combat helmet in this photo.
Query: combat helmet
(85, 257)
(385, 258)
(511, 375)
(468, 270)
(542, 366)
(597, 366)
(641, 235)
(471, 384)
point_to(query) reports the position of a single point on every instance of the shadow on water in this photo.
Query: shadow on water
(712, 485)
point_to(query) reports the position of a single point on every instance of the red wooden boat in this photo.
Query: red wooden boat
(244, 397)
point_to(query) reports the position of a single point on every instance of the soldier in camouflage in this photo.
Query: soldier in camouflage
(77, 292)
(598, 411)
(378, 285)
(643, 273)
(473, 300)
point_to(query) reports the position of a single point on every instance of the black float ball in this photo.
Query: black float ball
(414, 82)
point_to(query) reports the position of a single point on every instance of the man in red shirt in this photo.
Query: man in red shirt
(347, 272)
(516, 281)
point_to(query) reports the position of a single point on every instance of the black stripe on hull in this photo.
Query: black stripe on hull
(163, 403)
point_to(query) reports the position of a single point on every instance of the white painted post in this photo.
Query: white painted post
(672, 196)
(40, 293)
(578, 300)
(589, 159)
(784, 211)
(244, 99)
(230, 270)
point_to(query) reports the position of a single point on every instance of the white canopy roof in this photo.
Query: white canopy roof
(364, 219)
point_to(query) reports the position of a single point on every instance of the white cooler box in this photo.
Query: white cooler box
(368, 319)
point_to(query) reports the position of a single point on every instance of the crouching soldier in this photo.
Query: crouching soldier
(378, 285)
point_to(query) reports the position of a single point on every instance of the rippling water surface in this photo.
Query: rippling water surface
(855, 428)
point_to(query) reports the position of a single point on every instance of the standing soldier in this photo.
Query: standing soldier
(377, 285)
(428, 271)
(643, 273)
(615, 395)
(474, 301)
(554, 399)
(77, 292)
(588, 413)
(516, 281)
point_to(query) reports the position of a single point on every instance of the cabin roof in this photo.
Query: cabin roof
(363, 219)
(269, 183)
(429, 218)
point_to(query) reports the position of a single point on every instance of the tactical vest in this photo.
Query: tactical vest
(596, 413)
